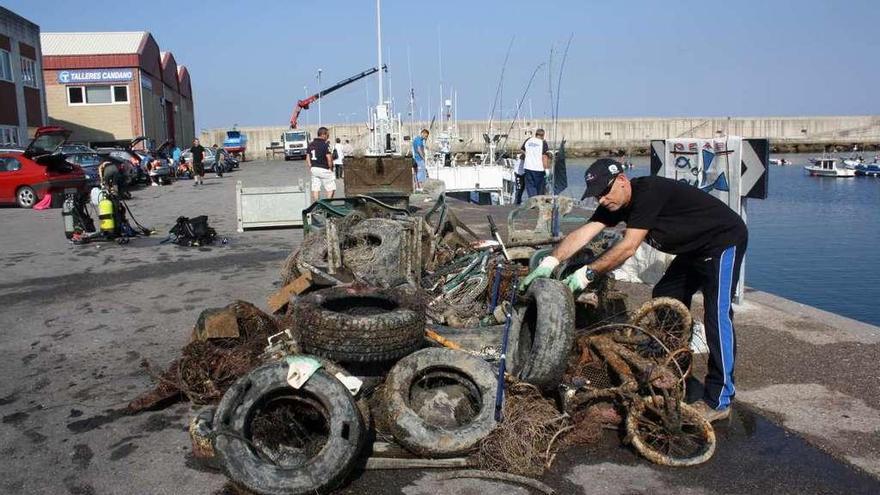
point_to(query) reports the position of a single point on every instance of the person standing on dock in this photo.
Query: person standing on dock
(198, 154)
(320, 161)
(338, 157)
(707, 237)
(536, 162)
(420, 166)
(519, 174)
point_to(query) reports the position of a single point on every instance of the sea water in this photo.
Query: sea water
(814, 240)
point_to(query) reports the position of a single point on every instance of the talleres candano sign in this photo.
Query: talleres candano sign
(95, 76)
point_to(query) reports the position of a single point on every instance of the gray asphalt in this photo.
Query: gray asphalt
(77, 321)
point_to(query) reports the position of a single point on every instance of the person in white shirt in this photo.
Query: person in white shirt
(536, 162)
(338, 156)
(519, 174)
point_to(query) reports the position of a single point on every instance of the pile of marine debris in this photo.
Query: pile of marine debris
(400, 340)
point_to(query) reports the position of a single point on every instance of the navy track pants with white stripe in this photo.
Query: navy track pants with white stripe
(716, 276)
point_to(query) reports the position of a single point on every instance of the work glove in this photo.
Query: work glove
(578, 281)
(544, 270)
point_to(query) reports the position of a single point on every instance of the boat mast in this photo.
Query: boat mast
(379, 50)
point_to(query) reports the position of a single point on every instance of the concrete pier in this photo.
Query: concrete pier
(78, 320)
(592, 135)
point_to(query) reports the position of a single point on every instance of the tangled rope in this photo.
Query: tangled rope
(524, 443)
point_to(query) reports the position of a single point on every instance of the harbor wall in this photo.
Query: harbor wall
(587, 136)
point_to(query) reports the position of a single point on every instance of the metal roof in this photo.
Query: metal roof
(102, 43)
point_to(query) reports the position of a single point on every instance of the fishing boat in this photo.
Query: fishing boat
(827, 167)
(779, 161)
(870, 170)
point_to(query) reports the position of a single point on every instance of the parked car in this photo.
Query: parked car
(69, 149)
(209, 161)
(26, 177)
(89, 163)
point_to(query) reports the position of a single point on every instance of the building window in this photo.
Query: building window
(9, 136)
(29, 73)
(96, 95)
(5, 66)
(75, 95)
(120, 94)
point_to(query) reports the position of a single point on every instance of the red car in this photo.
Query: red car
(26, 177)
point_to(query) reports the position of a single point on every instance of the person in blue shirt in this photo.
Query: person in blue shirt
(420, 167)
(175, 156)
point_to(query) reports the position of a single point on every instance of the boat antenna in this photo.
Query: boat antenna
(521, 100)
(559, 88)
(412, 93)
(379, 50)
(500, 82)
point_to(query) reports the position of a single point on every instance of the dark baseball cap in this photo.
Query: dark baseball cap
(600, 175)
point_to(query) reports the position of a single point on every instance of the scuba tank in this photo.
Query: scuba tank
(67, 210)
(107, 213)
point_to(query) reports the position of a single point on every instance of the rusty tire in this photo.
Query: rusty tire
(670, 321)
(666, 318)
(691, 444)
(542, 333)
(322, 410)
(387, 328)
(429, 438)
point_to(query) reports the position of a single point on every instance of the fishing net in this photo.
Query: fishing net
(207, 368)
(524, 443)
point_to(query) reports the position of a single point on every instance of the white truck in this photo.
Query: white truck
(295, 142)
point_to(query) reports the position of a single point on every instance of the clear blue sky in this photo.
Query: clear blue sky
(250, 61)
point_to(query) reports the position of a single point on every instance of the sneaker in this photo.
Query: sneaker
(195, 183)
(153, 184)
(711, 415)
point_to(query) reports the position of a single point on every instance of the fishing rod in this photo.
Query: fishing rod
(500, 82)
(521, 100)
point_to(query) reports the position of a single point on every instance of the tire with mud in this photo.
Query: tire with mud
(440, 402)
(273, 439)
(359, 325)
(542, 333)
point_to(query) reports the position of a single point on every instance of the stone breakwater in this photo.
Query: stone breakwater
(595, 136)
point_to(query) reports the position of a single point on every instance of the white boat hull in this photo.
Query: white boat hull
(824, 172)
(468, 178)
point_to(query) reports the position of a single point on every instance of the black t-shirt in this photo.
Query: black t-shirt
(679, 217)
(198, 153)
(318, 151)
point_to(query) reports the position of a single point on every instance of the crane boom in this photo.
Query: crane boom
(304, 103)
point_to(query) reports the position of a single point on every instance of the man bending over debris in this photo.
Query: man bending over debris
(707, 237)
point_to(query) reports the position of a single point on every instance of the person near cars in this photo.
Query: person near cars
(109, 176)
(338, 157)
(175, 155)
(198, 155)
(218, 160)
(154, 164)
(320, 162)
(708, 238)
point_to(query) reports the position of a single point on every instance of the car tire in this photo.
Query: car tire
(425, 437)
(542, 333)
(324, 408)
(350, 325)
(26, 197)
